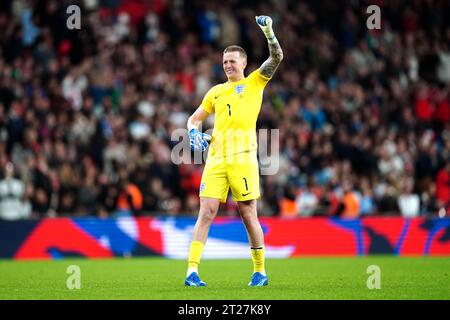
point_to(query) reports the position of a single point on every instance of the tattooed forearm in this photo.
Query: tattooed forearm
(269, 66)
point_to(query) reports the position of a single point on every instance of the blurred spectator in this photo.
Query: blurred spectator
(307, 201)
(129, 201)
(350, 202)
(13, 202)
(288, 206)
(443, 187)
(409, 202)
(313, 115)
(367, 201)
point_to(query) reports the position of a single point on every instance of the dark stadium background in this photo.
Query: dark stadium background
(87, 115)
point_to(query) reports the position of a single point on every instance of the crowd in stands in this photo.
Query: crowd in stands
(87, 115)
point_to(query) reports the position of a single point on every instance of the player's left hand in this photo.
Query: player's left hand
(265, 23)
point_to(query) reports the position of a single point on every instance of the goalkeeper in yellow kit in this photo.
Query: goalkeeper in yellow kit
(232, 156)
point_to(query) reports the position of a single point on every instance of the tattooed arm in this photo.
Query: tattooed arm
(269, 66)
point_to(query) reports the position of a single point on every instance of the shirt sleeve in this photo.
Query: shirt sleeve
(260, 80)
(208, 101)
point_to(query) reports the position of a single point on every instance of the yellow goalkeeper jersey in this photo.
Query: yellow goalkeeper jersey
(236, 107)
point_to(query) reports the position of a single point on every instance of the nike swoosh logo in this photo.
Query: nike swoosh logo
(246, 194)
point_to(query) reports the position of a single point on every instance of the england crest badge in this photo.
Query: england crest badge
(239, 89)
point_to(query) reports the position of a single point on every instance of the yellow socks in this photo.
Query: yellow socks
(196, 250)
(258, 260)
(195, 253)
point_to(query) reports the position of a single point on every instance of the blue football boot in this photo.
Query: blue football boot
(258, 280)
(194, 281)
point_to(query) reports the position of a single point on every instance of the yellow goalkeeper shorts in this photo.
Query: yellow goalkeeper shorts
(239, 171)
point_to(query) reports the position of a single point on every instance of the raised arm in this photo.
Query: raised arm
(269, 66)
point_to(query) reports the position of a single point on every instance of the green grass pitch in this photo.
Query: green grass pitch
(289, 279)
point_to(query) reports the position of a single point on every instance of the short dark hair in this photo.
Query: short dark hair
(235, 48)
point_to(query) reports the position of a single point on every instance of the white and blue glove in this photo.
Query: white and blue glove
(265, 23)
(198, 140)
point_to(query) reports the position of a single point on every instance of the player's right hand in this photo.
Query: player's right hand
(198, 140)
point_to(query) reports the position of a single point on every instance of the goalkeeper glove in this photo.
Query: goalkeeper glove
(198, 140)
(265, 23)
